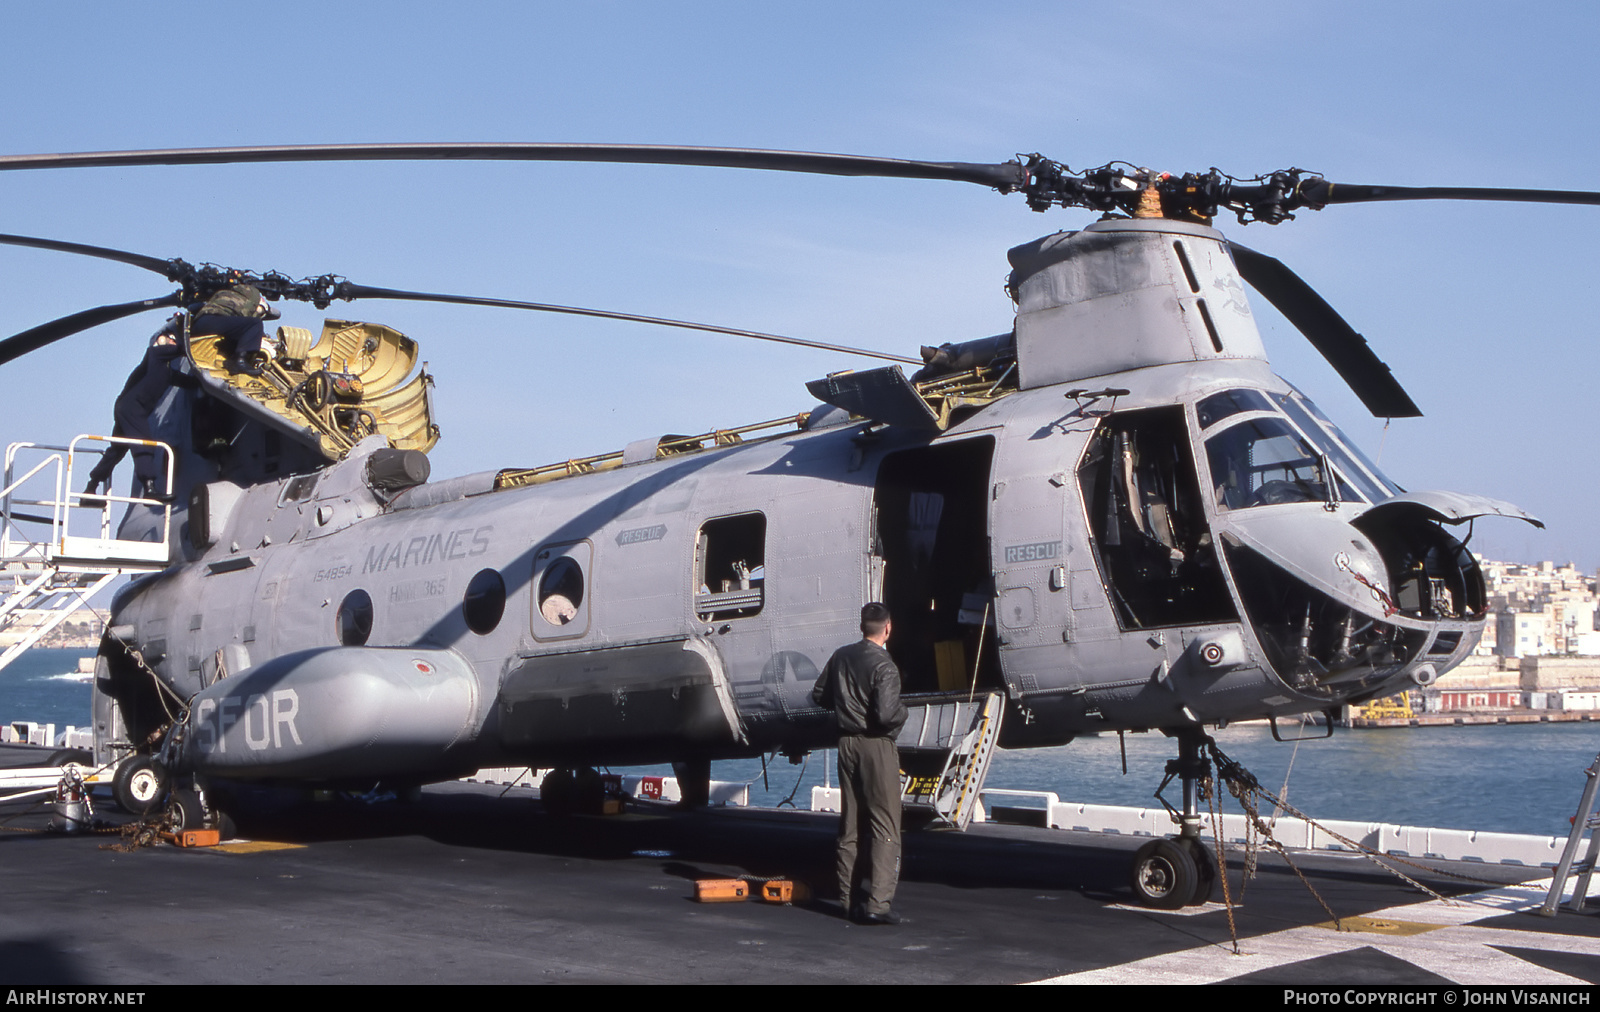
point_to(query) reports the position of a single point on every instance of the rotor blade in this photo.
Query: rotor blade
(1006, 175)
(350, 291)
(46, 333)
(1347, 351)
(156, 264)
(1320, 191)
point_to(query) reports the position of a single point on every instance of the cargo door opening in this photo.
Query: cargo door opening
(931, 531)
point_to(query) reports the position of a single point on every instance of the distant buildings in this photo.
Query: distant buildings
(1539, 610)
(1540, 647)
(80, 631)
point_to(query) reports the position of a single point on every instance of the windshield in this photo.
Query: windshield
(1385, 488)
(1265, 462)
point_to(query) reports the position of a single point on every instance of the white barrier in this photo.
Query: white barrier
(642, 787)
(1297, 834)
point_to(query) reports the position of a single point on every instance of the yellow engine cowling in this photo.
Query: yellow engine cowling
(298, 381)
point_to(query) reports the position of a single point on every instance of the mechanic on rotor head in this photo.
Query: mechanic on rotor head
(861, 684)
(234, 314)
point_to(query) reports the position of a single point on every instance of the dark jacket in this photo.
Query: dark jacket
(862, 687)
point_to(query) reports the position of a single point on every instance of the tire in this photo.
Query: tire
(187, 812)
(559, 792)
(1164, 875)
(1205, 884)
(62, 756)
(139, 785)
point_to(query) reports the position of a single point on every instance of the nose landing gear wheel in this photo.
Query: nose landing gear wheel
(1205, 865)
(1164, 875)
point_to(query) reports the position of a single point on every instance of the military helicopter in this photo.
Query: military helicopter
(1111, 516)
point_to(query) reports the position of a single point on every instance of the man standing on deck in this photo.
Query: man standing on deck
(862, 686)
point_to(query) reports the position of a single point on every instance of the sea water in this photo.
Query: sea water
(1512, 778)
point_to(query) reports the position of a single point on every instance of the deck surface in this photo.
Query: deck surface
(468, 886)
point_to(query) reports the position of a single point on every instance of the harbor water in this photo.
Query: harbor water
(1513, 778)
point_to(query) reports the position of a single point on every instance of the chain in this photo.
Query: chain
(1245, 787)
(1222, 863)
(1379, 858)
(143, 832)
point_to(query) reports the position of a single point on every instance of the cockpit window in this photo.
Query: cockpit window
(1215, 408)
(1265, 462)
(1334, 448)
(1389, 487)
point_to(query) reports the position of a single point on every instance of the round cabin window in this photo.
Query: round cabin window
(354, 619)
(485, 601)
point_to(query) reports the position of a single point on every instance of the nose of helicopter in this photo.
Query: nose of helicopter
(1327, 600)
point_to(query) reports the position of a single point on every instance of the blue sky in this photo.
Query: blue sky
(1485, 312)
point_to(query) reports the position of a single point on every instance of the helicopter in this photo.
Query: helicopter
(1111, 516)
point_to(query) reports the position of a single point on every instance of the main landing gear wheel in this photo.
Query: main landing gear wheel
(187, 812)
(1164, 875)
(139, 784)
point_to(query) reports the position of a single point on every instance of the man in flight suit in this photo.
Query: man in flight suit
(862, 686)
(145, 387)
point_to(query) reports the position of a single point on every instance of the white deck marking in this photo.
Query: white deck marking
(1457, 951)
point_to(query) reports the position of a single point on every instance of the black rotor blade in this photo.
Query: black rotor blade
(1320, 191)
(1006, 175)
(1347, 351)
(350, 291)
(156, 264)
(46, 333)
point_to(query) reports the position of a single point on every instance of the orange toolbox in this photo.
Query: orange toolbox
(782, 890)
(721, 890)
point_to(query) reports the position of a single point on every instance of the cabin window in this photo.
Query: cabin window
(561, 590)
(299, 487)
(354, 619)
(730, 567)
(1142, 496)
(484, 602)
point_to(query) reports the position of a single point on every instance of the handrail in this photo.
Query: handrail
(61, 544)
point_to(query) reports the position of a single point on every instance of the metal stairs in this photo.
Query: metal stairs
(1585, 821)
(57, 547)
(944, 748)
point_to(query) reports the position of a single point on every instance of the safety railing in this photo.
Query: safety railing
(44, 523)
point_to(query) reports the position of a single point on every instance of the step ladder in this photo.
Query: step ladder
(1584, 821)
(945, 748)
(58, 547)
